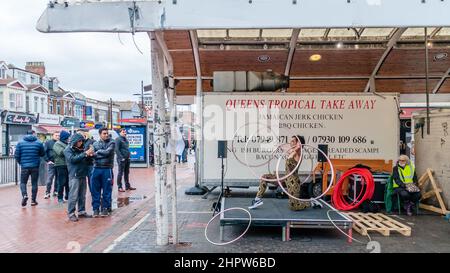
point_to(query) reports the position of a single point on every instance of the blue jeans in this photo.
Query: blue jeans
(101, 188)
(77, 195)
(25, 173)
(51, 178)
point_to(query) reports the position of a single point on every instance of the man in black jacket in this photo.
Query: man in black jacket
(77, 161)
(123, 160)
(50, 159)
(102, 178)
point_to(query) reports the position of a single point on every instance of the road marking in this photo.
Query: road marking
(125, 234)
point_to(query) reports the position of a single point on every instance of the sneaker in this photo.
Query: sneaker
(409, 210)
(104, 213)
(96, 213)
(256, 203)
(73, 218)
(110, 210)
(121, 190)
(34, 203)
(55, 194)
(47, 196)
(61, 201)
(24, 201)
(84, 215)
(131, 189)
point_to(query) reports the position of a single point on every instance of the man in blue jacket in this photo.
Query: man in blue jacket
(102, 177)
(28, 154)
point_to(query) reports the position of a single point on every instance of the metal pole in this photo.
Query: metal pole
(159, 133)
(426, 82)
(142, 99)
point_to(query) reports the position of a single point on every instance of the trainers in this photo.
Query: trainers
(96, 213)
(104, 213)
(61, 201)
(256, 203)
(131, 189)
(24, 201)
(121, 190)
(84, 215)
(73, 218)
(34, 203)
(110, 210)
(409, 209)
(55, 193)
(47, 196)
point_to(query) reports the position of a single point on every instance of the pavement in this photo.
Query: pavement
(131, 227)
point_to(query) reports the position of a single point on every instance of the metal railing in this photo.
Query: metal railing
(9, 170)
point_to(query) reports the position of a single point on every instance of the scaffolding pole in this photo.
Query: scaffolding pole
(159, 133)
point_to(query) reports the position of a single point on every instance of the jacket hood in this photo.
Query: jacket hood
(75, 138)
(30, 138)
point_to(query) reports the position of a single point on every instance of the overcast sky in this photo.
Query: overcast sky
(95, 64)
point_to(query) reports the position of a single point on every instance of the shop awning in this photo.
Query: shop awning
(407, 112)
(48, 129)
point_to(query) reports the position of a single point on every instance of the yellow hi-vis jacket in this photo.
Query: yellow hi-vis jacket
(406, 174)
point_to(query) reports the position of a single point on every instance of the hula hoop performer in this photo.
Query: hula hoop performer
(292, 182)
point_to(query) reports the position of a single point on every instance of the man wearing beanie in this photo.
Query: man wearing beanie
(62, 175)
(28, 154)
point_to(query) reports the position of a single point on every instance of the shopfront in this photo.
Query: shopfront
(47, 125)
(15, 126)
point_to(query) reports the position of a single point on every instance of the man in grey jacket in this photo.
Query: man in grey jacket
(123, 160)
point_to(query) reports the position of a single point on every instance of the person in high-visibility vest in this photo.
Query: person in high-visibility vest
(403, 174)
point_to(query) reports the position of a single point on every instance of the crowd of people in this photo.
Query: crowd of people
(74, 164)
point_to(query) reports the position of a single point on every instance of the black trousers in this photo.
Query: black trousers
(25, 173)
(124, 170)
(62, 176)
(408, 196)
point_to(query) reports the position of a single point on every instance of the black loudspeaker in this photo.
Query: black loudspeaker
(222, 149)
(320, 156)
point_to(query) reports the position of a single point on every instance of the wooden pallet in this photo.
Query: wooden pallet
(365, 222)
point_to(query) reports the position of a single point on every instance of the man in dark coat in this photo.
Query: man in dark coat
(123, 160)
(28, 154)
(77, 162)
(50, 159)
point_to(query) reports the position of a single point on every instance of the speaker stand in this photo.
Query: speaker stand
(218, 204)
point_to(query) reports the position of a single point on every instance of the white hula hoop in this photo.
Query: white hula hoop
(310, 199)
(237, 238)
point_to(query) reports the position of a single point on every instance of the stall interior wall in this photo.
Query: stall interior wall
(433, 150)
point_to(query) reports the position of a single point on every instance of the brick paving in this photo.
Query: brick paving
(45, 228)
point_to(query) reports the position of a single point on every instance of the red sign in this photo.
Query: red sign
(133, 120)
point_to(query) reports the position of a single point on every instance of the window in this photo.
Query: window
(12, 101)
(42, 105)
(22, 76)
(34, 79)
(2, 73)
(19, 99)
(36, 110)
(58, 107)
(51, 107)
